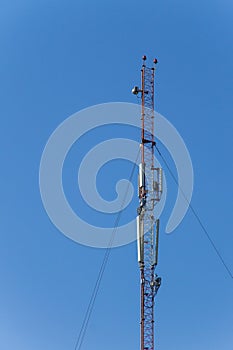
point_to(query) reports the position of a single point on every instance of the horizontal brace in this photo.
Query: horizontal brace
(149, 141)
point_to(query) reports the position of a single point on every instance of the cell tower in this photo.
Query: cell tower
(149, 192)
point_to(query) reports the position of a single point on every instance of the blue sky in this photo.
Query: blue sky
(59, 57)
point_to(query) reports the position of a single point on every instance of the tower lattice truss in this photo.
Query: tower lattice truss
(150, 191)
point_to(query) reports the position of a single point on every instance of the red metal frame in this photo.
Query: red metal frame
(148, 197)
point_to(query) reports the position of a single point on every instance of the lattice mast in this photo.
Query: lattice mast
(150, 191)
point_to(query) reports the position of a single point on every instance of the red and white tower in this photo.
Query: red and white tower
(150, 191)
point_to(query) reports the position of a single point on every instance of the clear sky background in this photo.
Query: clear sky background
(58, 57)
